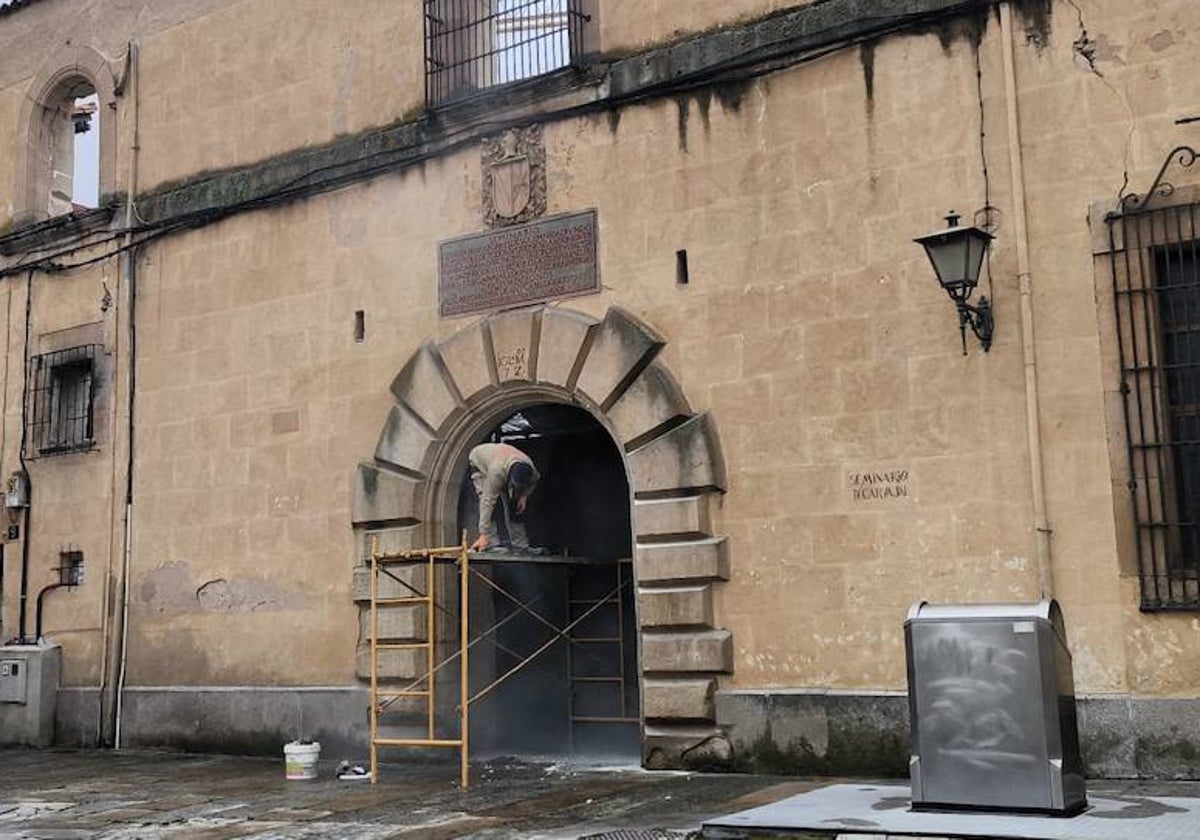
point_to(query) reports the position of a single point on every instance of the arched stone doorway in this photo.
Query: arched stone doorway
(450, 394)
(555, 668)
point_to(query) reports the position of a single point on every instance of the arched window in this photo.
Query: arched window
(69, 132)
(85, 124)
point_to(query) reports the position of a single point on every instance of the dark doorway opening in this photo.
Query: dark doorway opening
(561, 662)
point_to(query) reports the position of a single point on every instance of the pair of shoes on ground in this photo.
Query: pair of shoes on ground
(347, 771)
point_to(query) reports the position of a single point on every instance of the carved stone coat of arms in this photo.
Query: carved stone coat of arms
(514, 176)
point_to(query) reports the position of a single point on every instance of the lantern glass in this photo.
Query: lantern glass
(957, 256)
(950, 257)
(977, 245)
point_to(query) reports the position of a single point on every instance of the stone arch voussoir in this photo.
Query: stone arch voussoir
(611, 367)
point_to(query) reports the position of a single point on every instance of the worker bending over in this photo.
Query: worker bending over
(506, 474)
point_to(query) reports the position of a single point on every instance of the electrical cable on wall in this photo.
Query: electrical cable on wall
(23, 618)
(987, 222)
(751, 65)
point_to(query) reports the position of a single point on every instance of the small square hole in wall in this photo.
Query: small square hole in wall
(681, 268)
(70, 567)
(360, 326)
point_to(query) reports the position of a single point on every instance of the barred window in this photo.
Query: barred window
(1156, 273)
(472, 45)
(61, 399)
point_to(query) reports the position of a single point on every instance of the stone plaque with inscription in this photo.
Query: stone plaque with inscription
(552, 258)
(878, 485)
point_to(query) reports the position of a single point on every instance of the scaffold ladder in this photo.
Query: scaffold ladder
(381, 698)
(616, 599)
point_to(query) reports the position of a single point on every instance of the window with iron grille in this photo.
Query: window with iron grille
(472, 45)
(61, 399)
(1156, 282)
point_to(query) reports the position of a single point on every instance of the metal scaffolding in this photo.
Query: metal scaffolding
(429, 558)
(423, 687)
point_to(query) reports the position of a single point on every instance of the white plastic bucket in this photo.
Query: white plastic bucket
(300, 760)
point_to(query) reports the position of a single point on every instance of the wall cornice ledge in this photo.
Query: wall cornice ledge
(726, 56)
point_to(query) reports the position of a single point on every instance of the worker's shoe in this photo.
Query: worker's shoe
(349, 772)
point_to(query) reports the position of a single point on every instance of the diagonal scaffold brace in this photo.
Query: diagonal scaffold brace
(424, 686)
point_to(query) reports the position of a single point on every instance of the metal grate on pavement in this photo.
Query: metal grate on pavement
(641, 834)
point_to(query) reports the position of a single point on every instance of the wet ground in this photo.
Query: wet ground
(859, 811)
(67, 794)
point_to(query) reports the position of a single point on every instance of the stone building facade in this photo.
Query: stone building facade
(272, 376)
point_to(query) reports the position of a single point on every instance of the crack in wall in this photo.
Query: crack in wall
(1087, 51)
(1085, 48)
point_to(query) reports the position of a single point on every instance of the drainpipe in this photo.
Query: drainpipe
(8, 295)
(1028, 351)
(116, 660)
(22, 638)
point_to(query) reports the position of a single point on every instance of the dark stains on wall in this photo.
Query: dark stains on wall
(704, 103)
(669, 71)
(613, 117)
(731, 95)
(969, 27)
(1162, 40)
(252, 722)
(866, 57)
(1174, 754)
(1120, 737)
(370, 480)
(1035, 14)
(156, 658)
(856, 748)
(683, 107)
(197, 739)
(828, 735)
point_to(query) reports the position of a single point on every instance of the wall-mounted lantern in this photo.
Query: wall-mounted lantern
(957, 256)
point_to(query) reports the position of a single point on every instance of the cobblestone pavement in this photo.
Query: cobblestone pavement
(67, 794)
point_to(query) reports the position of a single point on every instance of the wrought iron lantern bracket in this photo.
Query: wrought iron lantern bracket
(979, 319)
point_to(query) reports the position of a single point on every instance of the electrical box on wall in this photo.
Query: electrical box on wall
(29, 678)
(16, 491)
(13, 680)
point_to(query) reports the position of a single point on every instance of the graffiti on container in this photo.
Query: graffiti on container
(969, 709)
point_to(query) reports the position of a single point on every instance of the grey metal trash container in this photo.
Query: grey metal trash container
(992, 705)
